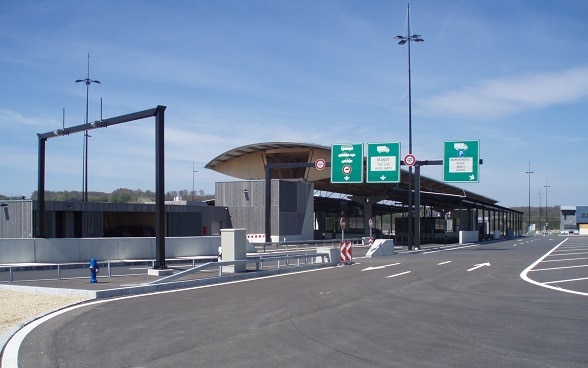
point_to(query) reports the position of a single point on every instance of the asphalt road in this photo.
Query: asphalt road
(467, 307)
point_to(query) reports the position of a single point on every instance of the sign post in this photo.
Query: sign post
(461, 161)
(383, 162)
(345, 249)
(347, 163)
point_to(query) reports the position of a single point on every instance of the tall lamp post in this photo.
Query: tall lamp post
(407, 40)
(193, 171)
(540, 209)
(546, 210)
(530, 172)
(88, 81)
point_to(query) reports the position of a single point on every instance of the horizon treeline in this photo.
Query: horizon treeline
(538, 216)
(121, 195)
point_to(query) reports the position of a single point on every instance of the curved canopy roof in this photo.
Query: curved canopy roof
(248, 163)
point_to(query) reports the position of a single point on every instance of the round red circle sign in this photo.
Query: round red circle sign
(346, 169)
(320, 164)
(409, 160)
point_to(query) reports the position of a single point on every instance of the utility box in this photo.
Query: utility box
(234, 248)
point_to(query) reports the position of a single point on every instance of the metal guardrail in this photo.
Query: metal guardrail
(108, 265)
(289, 246)
(257, 260)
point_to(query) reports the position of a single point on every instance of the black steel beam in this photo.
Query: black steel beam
(432, 162)
(159, 189)
(101, 123)
(40, 231)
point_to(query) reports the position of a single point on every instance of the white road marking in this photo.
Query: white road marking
(569, 280)
(479, 265)
(565, 259)
(398, 274)
(557, 268)
(524, 273)
(567, 254)
(379, 267)
(466, 246)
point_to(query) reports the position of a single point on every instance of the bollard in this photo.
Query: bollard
(94, 269)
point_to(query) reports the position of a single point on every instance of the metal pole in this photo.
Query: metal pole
(417, 205)
(86, 138)
(88, 81)
(407, 39)
(546, 210)
(411, 239)
(268, 204)
(193, 171)
(41, 190)
(159, 189)
(529, 224)
(540, 210)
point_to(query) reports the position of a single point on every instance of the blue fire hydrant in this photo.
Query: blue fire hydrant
(94, 269)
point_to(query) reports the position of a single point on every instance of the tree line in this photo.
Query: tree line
(121, 195)
(540, 216)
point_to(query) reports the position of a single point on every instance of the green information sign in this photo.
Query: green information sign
(347, 163)
(461, 161)
(383, 162)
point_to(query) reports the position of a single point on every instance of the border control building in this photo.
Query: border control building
(305, 204)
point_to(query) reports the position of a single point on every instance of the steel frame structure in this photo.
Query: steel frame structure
(158, 113)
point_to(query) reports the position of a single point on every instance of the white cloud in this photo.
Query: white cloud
(501, 97)
(15, 118)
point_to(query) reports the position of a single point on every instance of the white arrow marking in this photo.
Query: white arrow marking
(479, 265)
(472, 177)
(346, 177)
(398, 274)
(379, 267)
(382, 177)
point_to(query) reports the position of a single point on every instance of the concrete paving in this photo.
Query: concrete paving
(467, 307)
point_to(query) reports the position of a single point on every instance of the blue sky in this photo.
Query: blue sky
(512, 74)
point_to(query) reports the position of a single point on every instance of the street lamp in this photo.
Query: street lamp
(407, 40)
(193, 171)
(540, 210)
(88, 81)
(546, 218)
(530, 172)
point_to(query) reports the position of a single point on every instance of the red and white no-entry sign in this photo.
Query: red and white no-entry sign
(320, 164)
(409, 160)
